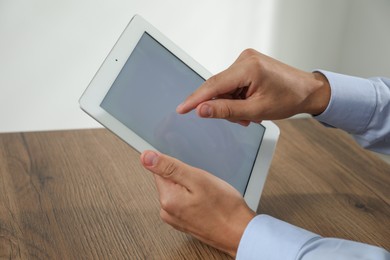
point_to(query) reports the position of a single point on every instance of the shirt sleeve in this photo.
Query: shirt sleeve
(269, 238)
(361, 107)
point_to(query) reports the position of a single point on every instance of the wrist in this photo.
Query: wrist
(319, 97)
(239, 229)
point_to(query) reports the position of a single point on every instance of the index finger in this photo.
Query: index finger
(217, 85)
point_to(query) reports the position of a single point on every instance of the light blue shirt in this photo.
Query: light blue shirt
(362, 108)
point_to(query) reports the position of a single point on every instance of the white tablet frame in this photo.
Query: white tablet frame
(101, 83)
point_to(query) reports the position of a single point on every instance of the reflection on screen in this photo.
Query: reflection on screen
(144, 97)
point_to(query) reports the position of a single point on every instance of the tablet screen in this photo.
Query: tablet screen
(144, 97)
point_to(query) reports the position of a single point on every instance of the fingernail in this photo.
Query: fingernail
(206, 111)
(150, 158)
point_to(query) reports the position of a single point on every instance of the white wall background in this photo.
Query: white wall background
(50, 49)
(346, 36)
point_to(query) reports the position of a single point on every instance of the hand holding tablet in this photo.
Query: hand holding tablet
(135, 94)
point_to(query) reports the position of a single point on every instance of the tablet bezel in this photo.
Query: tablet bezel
(101, 83)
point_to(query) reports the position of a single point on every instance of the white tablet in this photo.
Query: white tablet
(135, 94)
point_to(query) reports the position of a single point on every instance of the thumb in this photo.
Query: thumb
(167, 167)
(234, 110)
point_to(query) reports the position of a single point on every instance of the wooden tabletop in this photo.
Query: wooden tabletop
(83, 194)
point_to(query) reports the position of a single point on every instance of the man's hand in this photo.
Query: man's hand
(255, 88)
(198, 203)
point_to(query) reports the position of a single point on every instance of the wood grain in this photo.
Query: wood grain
(323, 181)
(83, 195)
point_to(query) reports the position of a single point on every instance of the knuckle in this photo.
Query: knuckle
(171, 207)
(213, 85)
(253, 59)
(249, 53)
(255, 62)
(168, 169)
(226, 111)
(165, 204)
(211, 82)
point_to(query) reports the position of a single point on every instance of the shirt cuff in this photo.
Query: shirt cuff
(352, 103)
(266, 237)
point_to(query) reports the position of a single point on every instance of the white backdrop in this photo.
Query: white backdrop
(50, 49)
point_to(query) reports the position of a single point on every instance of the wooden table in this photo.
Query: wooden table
(83, 195)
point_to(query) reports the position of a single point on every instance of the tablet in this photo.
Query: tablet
(135, 94)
